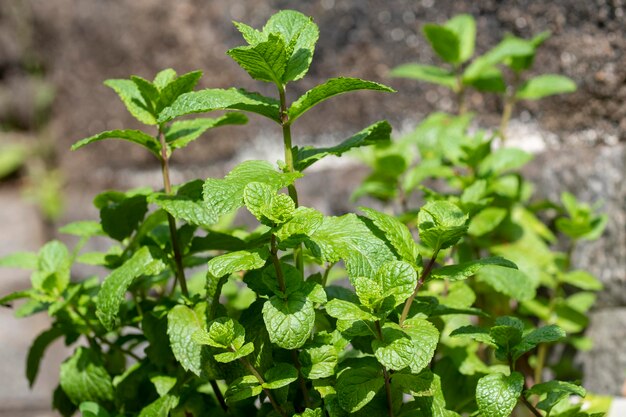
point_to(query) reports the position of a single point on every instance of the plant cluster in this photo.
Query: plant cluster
(198, 318)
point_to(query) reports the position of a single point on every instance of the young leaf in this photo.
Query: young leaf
(428, 73)
(179, 134)
(508, 47)
(242, 388)
(318, 361)
(444, 41)
(164, 77)
(545, 334)
(148, 91)
(84, 378)
(424, 337)
(545, 85)
(243, 260)
(250, 34)
(225, 195)
(135, 136)
(82, 229)
(114, 287)
(133, 99)
(441, 224)
(377, 133)
(508, 281)
(395, 350)
(304, 223)
(346, 310)
(223, 332)
(160, 407)
(289, 321)
(331, 87)
(267, 206)
(264, 61)
(37, 350)
(503, 160)
(464, 26)
(24, 260)
(281, 375)
(467, 269)
(53, 268)
(497, 394)
(181, 85)
(187, 204)
(476, 333)
(397, 233)
(219, 99)
(300, 35)
(554, 391)
(357, 386)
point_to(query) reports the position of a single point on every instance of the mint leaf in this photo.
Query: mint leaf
(148, 91)
(444, 41)
(82, 229)
(160, 407)
(508, 281)
(497, 394)
(375, 134)
(395, 350)
(133, 100)
(507, 48)
(181, 133)
(37, 350)
(357, 386)
(267, 206)
(53, 268)
(476, 333)
(345, 310)
(397, 280)
(441, 224)
(545, 334)
(289, 321)
(318, 412)
(348, 238)
(467, 269)
(243, 260)
(225, 195)
(397, 233)
(424, 337)
(135, 136)
(163, 384)
(164, 77)
(581, 279)
(187, 204)
(24, 260)
(503, 160)
(330, 88)
(304, 222)
(84, 378)
(242, 388)
(250, 34)
(121, 214)
(264, 61)
(486, 221)
(219, 99)
(545, 85)
(182, 324)
(114, 287)
(300, 35)
(91, 409)
(318, 361)
(174, 88)
(428, 73)
(464, 26)
(554, 392)
(280, 375)
(223, 332)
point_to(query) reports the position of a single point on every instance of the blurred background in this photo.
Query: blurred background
(55, 54)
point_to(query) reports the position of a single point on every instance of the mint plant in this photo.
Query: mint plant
(304, 314)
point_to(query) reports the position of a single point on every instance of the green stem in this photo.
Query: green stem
(542, 352)
(178, 258)
(420, 282)
(327, 272)
(245, 362)
(460, 92)
(279, 271)
(531, 407)
(218, 395)
(386, 375)
(293, 193)
(509, 103)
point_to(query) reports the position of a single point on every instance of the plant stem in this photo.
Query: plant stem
(542, 351)
(245, 362)
(293, 193)
(327, 272)
(178, 258)
(460, 94)
(218, 395)
(530, 406)
(509, 103)
(279, 271)
(385, 374)
(301, 381)
(420, 282)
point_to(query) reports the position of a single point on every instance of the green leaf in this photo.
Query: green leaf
(82, 229)
(121, 214)
(304, 223)
(545, 334)
(219, 99)
(464, 26)
(300, 35)
(397, 233)
(397, 279)
(290, 321)
(444, 41)
(182, 324)
(280, 375)
(378, 133)
(581, 279)
(264, 61)
(133, 100)
(357, 386)
(395, 350)
(486, 221)
(476, 333)
(347, 237)
(227, 357)
(489, 80)
(114, 287)
(24, 260)
(148, 91)
(164, 77)
(84, 378)
(37, 350)
(179, 134)
(424, 337)
(223, 332)
(508, 47)
(243, 260)
(173, 89)
(53, 268)
(225, 195)
(545, 85)
(318, 361)
(346, 310)
(160, 407)
(441, 224)
(17, 295)
(330, 88)
(91, 409)
(467, 269)
(187, 204)
(242, 388)
(163, 383)
(318, 412)
(554, 392)
(267, 206)
(250, 34)
(497, 394)
(428, 73)
(503, 160)
(508, 281)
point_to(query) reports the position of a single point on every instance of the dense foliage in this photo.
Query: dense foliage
(314, 315)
